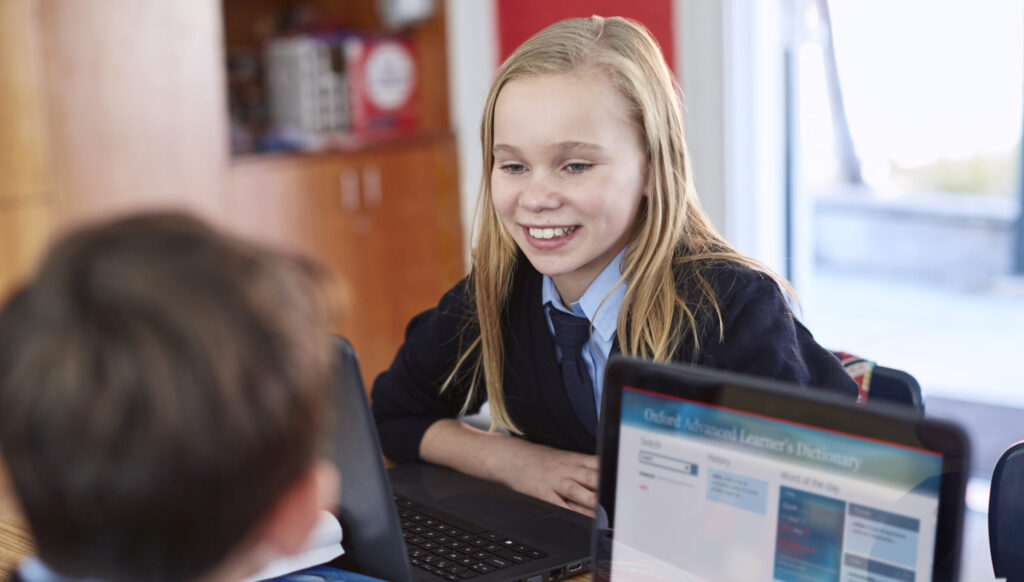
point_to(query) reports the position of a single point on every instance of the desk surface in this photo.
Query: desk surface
(15, 543)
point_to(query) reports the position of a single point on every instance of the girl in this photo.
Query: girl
(587, 208)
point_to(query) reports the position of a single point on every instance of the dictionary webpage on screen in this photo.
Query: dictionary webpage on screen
(707, 493)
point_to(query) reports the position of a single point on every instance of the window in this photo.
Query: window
(906, 139)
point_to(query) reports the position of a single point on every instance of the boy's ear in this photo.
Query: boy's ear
(290, 522)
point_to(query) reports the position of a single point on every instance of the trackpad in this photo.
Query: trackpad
(492, 509)
(556, 530)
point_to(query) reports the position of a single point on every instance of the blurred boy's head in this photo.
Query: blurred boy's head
(162, 394)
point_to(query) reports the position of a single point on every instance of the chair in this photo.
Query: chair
(1006, 515)
(883, 384)
(896, 386)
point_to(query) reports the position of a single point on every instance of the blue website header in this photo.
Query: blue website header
(818, 448)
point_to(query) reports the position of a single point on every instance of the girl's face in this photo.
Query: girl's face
(568, 174)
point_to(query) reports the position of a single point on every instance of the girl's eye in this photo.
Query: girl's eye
(513, 168)
(577, 167)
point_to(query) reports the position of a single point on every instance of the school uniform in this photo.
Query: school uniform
(761, 337)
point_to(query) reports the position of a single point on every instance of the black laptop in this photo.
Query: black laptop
(425, 522)
(707, 475)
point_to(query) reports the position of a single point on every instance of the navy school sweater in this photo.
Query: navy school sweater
(761, 337)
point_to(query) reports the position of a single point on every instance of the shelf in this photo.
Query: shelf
(249, 24)
(356, 147)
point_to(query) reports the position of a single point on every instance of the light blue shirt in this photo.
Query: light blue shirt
(604, 320)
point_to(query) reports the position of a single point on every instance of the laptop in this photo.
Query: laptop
(424, 522)
(709, 475)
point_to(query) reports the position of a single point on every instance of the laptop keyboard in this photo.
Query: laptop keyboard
(453, 548)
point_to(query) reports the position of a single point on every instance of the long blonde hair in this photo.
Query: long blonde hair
(673, 239)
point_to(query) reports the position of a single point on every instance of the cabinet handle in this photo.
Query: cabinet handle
(372, 194)
(349, 181)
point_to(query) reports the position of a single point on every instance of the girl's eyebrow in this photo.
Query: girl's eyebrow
(578, 146)
(562, 147)
(500, 147)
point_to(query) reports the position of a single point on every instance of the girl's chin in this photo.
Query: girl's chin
(559, 270)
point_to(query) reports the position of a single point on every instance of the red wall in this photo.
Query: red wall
(518, 20)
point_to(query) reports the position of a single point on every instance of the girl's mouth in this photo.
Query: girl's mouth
(550, 233)
(550, 238)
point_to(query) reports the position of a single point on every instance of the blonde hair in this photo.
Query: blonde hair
(673, 240)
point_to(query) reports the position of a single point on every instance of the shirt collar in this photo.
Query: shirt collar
(34, 570)
(604, 317)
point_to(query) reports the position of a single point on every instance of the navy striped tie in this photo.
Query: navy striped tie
(571, 333)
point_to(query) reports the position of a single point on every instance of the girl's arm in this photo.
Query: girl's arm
(564, 478)
(416, 422)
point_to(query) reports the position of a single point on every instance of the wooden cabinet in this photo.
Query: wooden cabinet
(385, 217)
(24, 154)
(24, 232)
(135, 105)
(385, 220)
(105, 109)
(113, 109)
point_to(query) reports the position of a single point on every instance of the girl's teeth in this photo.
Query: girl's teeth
(548, 233)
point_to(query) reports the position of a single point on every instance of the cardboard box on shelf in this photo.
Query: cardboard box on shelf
(339, 89)
(383, 84)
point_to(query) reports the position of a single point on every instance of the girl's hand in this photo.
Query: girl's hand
(561, 477)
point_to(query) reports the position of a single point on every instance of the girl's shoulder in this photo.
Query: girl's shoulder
(723, 277)
(458, 299)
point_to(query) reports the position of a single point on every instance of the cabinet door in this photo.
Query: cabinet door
(312, 205)
(299, 204)
(386, 220)
(415, 240)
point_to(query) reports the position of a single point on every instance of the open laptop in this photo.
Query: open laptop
(424, 522)
(708, 475)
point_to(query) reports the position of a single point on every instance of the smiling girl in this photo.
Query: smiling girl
(587, 209)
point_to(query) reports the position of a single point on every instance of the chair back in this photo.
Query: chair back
(887, 385)
(895, 386)
(1006, 515)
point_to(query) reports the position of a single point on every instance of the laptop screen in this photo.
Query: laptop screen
(716, 485)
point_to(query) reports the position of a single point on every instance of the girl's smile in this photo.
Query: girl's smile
(549, 238)
(549, 232)
(568, 173)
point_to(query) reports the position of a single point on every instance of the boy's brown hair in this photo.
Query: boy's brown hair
(161, 385)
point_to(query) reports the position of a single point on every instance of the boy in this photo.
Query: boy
(162, 396)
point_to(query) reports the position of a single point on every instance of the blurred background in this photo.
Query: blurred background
(868, 150)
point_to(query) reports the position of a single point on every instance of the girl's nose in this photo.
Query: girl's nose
(539, 195)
